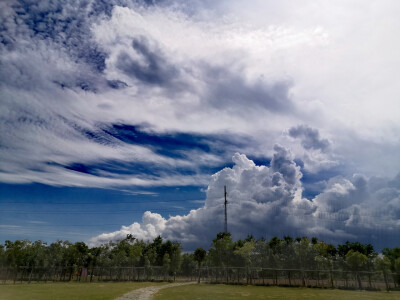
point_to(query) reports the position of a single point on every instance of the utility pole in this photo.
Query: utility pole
(226, 215)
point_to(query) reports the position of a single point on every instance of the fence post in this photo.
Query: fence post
(91, 274)
(5, 279)
(262, 272)
(386, 281)
(359, 280)
(70, 273)
(369, 280)
(16, 274)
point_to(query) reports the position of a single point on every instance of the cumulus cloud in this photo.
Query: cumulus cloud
(258, 197)
(150, 227)
(78, 78)
(70, 70)
(316, 153)
(309, 137)
(267, 201)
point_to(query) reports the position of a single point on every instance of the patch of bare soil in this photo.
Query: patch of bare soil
(148, 292)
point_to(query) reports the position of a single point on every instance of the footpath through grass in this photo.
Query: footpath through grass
(69, 290)
(221, 291)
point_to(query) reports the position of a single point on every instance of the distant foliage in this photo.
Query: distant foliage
(286, 253)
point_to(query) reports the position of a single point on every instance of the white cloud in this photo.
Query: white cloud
(248, 70)
(267, 201)
(150, 227)
(242, 73)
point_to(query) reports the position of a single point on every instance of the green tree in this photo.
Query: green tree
(2, 256)
(356, 260)
(393, 255)
(36, 254)
(15, 253)
(275, 244)
(245, 252)
(80, 251)
(397, 269)
(166, 264)
(325, 255)
(221, 251)
(189, 264)
(176, 258)
(199, 256)
(366, 249)
(383, 265)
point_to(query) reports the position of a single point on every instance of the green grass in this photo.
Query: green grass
(221, 291)
(69, 290)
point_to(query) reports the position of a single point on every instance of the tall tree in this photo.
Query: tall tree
(221, 251)
(356, 260)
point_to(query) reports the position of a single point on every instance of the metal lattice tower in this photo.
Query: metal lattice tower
(226, 215)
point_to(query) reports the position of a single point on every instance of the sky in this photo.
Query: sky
(129, 117)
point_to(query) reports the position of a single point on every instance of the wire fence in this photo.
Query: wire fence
(229, 275)
(298, 277)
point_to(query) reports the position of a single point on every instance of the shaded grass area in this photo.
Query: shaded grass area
(69, 290)
(222, 291)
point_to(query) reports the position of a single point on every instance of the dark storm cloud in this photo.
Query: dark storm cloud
(263, 201)
(52, 61)
(61, 32)
(283, 163)
(150, 67)
(309, 137)
(229, 90)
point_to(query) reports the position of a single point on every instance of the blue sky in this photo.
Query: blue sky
(125, 117)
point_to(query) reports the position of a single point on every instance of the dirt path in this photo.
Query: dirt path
(147, 292)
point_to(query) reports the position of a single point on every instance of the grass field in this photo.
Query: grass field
(59, 290)
(220, 291)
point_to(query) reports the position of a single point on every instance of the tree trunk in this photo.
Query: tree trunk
(359, 280)
(5, 279)
(198, 279)
(30, 275)
(91, 274)
(386, 281)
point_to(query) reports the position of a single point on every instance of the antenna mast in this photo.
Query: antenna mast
(226, 215)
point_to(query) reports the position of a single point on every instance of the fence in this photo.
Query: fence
(74, 273)
(298, 277)
(232, 275)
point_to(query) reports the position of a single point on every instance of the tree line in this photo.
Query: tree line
(299, 253)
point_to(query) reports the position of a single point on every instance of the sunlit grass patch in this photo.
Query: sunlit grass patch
(222, 291)
(69, 290)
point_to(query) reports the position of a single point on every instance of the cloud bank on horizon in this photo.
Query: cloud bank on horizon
(267, 201)
(162, 93)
